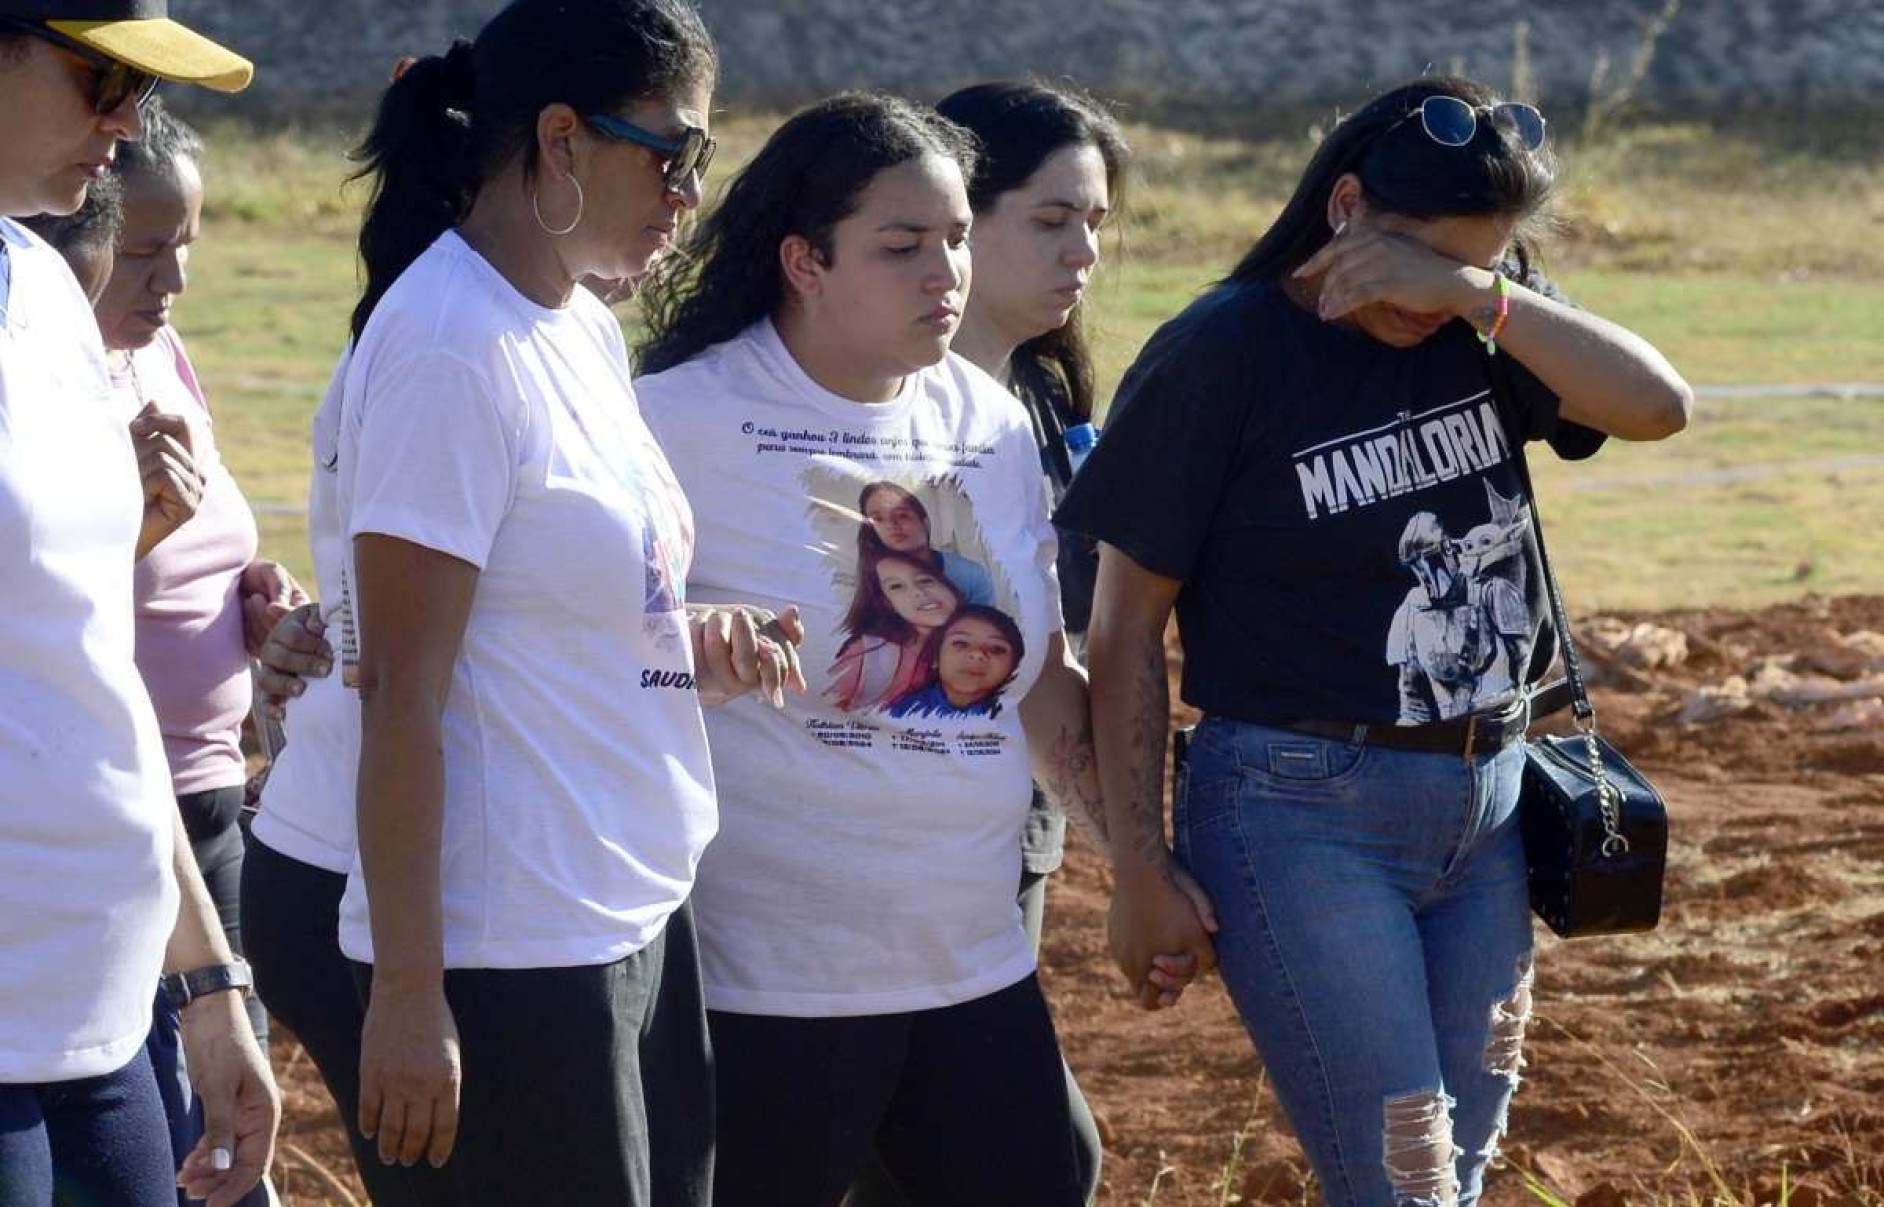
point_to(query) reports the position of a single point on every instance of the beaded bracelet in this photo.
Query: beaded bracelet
(1489, 337)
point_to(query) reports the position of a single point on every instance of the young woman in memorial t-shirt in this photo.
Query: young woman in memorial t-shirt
(1050, 171)
(868, 981)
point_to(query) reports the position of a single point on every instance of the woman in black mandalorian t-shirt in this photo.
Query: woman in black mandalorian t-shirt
(1311, 466)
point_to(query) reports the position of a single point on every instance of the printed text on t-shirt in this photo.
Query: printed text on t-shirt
(864, 446)
(1411, 454)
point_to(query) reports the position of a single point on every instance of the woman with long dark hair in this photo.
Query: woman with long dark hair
(1050, 174)
(1311, 464)
(533, 788)
(868, 980)
(901, 600)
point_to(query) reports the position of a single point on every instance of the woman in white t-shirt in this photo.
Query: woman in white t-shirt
(533, 790)
(98, 892)
(1051, 169)
(867, 977)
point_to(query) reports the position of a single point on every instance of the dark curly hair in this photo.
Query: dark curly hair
(807, 178)
(94, 226)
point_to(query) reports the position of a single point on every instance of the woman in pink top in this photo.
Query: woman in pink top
(203, 598)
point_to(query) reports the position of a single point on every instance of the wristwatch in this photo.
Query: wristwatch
(182, 988)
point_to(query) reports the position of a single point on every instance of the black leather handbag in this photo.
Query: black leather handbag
(1595, 831)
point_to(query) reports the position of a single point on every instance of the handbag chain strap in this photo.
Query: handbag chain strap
(1608, 799)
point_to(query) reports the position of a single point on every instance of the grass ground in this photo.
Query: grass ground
(1747, 255)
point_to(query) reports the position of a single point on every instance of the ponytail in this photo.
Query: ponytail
(419, 157)
(449, 123)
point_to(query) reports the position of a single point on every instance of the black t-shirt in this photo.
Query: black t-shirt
(1346, 517)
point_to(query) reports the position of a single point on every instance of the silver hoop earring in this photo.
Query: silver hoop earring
(536, 208)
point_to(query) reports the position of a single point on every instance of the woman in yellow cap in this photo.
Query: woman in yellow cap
(92, 857)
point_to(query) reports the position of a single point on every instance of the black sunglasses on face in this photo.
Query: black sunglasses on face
(687, 156)
(113, 82)
(1451, 122)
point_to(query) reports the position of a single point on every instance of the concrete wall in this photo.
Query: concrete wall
(1200, 54)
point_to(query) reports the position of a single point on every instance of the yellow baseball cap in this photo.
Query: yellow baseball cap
(141, 34)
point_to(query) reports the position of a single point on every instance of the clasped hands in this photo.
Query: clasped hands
(1159, 928)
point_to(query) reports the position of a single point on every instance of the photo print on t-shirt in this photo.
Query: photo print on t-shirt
(928, 629)
(666, 554)
(1462, 637)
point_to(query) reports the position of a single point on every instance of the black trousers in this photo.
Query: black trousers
(591, 1084)
(874, 1188)
(965, 1106)
(291, 919)
(218, 842)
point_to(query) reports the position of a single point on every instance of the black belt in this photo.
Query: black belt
(1463, 736)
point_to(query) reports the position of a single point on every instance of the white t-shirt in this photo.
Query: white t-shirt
(578, 791)
(307, 806)
(870, 833)
(87, 896)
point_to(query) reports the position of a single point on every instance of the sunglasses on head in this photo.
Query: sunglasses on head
(1451, 122)
(687, 156)
(113, 82)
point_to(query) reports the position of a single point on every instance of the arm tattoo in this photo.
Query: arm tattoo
(1151, 699)
(1072, 780)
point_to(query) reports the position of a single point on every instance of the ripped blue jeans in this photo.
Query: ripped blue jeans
(1376, 938)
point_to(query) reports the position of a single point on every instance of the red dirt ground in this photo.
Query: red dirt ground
(1740, 1044)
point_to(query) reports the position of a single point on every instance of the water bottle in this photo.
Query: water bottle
(1079, 441)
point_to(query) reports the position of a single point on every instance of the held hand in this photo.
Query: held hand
(173, 486)
(409, 1075)
(1159, 930)
(1172, 972)
(738, 648)
(1363, 265)
(268, 593)
(241, 1107)
(296, 650)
